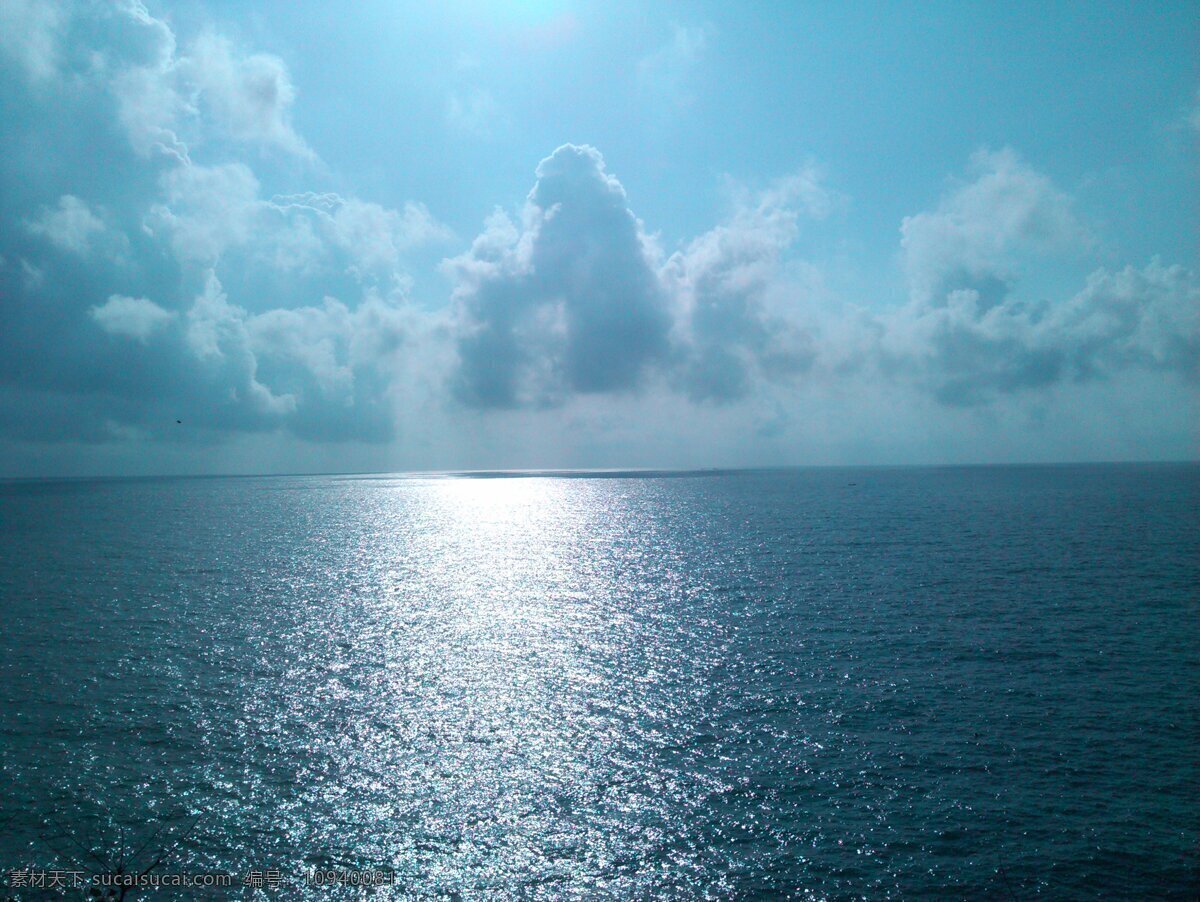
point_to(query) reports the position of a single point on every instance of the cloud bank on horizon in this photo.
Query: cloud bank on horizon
(147, 275)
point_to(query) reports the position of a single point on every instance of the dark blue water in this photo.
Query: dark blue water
(960, 682)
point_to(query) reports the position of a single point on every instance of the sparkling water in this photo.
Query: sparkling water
(872, 682)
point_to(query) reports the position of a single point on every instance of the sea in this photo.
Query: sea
(827, 683)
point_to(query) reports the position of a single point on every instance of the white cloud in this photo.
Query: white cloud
(207, 209)
(213, 216)
(138, 58)
(149, 108)
(71, 226)
(325, 372)
(739, 315)
(970, 353)
(1148, 317)
(970, 334)
(333, 341)
(249, 97)
(371, 238)
(30, 31)
(377, 236)
(210, 209)
(570, 303)
(167, 101)
(980, 230)
(217, 335)
(137, 318)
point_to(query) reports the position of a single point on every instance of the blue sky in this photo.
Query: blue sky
(559, 234)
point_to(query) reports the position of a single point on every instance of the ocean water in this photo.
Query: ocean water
(951, 682)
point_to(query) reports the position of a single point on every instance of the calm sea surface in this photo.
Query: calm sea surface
(960, 682)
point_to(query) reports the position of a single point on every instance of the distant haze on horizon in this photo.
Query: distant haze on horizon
(571, 235)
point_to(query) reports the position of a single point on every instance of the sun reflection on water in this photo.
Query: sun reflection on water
(483, 701)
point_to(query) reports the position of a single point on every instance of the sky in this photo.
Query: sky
(542, 234)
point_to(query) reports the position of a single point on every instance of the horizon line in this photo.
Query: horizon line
(598, 472)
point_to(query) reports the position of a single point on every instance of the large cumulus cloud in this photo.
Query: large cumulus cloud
(578, 299)
(971, 332)
(568, 302)
(147, 277)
